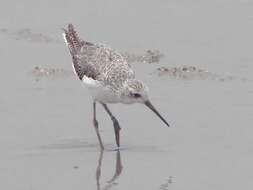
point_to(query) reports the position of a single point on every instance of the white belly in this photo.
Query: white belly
(99, 92)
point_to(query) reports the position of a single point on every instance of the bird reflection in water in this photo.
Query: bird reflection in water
(118, 170)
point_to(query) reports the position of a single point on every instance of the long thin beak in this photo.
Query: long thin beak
(148, 104)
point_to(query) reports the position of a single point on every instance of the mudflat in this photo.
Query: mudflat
(47, 140)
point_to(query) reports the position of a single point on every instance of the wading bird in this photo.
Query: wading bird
(108, 76)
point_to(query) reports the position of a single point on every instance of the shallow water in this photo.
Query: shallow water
(46, 136)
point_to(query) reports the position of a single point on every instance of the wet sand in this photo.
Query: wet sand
(46, 136)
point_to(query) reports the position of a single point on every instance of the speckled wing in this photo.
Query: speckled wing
(83, 69)
(76, 46)
(112, 67)
(97, 61)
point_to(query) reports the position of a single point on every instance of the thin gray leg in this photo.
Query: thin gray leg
(115, 124)
(98, 171)
(95, 122)
(118, 168)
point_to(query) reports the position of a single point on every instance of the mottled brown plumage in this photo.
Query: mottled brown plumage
(97, 61)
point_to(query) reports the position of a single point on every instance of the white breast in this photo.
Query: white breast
(99, 92)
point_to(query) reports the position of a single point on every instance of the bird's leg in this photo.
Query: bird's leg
(95, 123)
(115, 124)
(98, 171)
(118, 168)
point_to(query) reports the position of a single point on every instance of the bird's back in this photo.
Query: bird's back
(97, 61)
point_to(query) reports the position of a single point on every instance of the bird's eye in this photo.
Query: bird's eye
(136, 95)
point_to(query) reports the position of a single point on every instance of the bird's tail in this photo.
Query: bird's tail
(72, 40)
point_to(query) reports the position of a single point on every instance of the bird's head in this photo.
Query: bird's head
(135, 91)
